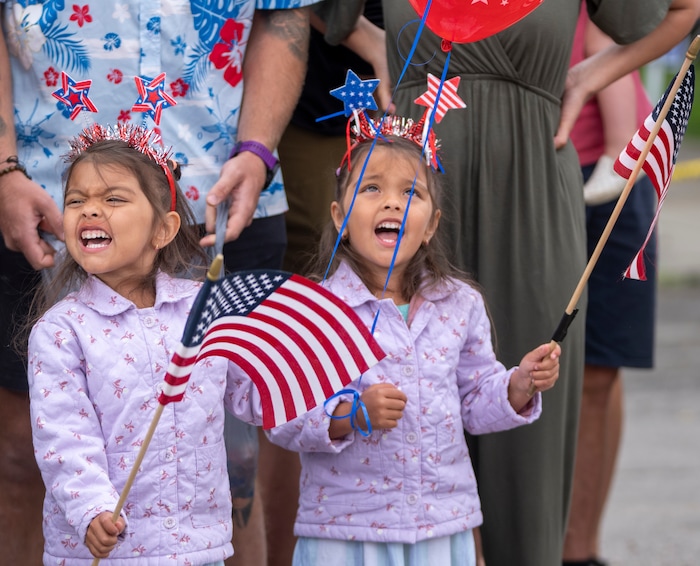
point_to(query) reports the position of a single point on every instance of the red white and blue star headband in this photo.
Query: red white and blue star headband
(357, 98)
(136, 137)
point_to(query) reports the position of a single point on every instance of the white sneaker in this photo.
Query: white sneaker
(604, 185)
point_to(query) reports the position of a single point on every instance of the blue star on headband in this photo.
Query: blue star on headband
(152, 97)
(356, 94)
(74, 95)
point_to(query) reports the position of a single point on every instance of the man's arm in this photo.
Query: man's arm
(24, 205)
(273, 73)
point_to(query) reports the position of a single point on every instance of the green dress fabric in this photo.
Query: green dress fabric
(514, 216)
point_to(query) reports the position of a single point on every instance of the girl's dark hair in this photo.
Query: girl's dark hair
(182, 256)
(428, 266)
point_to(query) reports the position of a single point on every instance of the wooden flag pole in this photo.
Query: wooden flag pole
(571, 310)
(213, 274)
(135, 468)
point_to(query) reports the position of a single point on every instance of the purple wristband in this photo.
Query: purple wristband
(258, 149)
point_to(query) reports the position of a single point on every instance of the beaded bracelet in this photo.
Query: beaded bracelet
(15, 165)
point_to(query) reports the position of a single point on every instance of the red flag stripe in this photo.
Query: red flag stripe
(289, 401)
(309, 357)
(351, 334)
(260, 383)
(287, 359)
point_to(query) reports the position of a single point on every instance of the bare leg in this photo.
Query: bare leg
(21, 486)
(278, 472)
(598, 441)
(480, 560)
(612, 445)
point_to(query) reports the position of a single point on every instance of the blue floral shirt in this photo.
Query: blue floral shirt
(198, 44)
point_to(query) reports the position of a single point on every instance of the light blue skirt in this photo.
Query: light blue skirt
(455, 550)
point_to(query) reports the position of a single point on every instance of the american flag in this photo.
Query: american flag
(661, 159)
(297, 341)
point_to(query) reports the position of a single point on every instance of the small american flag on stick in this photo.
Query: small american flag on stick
(298, 342)
(661, 159)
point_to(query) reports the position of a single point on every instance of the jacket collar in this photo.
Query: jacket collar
(346, 284)
(95, 294)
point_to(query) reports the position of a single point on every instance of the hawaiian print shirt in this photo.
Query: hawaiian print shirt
(122, 48)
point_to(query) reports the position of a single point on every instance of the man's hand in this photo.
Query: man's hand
(242, 179)
(24, 209)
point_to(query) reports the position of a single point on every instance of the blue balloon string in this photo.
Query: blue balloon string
(357, 404)
(329, 116)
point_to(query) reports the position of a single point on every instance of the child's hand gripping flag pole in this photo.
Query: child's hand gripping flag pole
(654, 148)
(298, 343)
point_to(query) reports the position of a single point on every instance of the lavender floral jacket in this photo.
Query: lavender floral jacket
(416, 481)
(96, 366)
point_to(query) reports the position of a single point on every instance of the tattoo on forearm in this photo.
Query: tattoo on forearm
(293, 27)
(242, 507)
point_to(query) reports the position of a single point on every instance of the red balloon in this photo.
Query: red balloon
(463, 21)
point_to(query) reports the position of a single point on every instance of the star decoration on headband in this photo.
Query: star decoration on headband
(449, 99)
(74, 95)
(356, 94)
(152, 97)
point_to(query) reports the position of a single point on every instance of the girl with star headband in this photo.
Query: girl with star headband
(392, 483)
(97, 359)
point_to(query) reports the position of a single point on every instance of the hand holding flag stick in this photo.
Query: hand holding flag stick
(214, 271)
(657, 155)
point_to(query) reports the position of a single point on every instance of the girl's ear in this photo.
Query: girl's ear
(432, 227)
(337, 215)
(168, 229)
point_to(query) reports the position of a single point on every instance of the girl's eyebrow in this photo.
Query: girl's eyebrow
(105, 190)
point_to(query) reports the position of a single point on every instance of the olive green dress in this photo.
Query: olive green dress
(515, 221)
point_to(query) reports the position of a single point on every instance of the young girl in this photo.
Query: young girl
(405, 493)
(96, 364)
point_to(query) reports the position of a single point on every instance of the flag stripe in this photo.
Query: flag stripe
(342, 320)
(260, 382)
(277, 347)
(261, 360)
(334, 355)
(315, 356)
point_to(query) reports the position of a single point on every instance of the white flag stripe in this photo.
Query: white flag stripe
(235, 342)
(359, 340)
(174, 390)
(293, 350)
(346, 357)
(276, 393)
(318, 349)
(177, 370)
(185, 352)
(663, 144)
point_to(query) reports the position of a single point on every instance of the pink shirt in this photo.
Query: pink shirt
(587, 134)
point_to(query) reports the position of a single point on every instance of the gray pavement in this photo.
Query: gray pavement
(653, 514)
